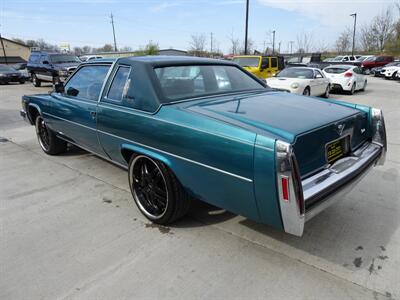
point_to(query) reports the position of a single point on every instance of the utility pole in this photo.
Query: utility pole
(115, 41)
(247, 27)
(291, 46)
(211, 48)
(279, 48)
(4, 50)
(273, 42)
(354, 32)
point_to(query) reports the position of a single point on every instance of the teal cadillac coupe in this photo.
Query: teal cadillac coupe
(188, 128)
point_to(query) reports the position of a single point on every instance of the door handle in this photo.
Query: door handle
(93, 114)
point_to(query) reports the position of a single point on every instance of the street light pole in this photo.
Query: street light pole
(273, 42)
(354, 32)
(247, 26)
(113, 29)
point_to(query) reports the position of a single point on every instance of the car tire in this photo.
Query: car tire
(307, 91)
(353, 89)
(156, 190)
(327, 91)
(48, 140)
(364, 86)
(394, 75)
(22, 81)
(35, 81)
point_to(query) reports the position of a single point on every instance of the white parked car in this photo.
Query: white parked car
(89, 57)
(390, 72)
(364, 57)
(301, 80)
(346, 78)
(343, 58)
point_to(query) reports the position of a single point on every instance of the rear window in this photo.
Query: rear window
(300, 73)
(179, 82)
(337, 70)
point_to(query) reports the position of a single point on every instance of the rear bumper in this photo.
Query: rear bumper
(301, 200)
(325, 188)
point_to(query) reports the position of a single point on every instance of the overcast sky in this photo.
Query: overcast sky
(171, 23)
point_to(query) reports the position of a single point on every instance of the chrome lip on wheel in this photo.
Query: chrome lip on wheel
(43, 134)
(149, 187)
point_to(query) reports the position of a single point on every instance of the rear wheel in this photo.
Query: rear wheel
(35, 81)
(394, 75)
(156, 190)
(48, 141)
(306, 91)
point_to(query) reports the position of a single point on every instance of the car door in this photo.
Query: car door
(320, 82)
(274, 66)
(359, 78)
(42, 72)
(74, 111)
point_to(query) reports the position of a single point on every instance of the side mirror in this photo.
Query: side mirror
(59, 87)
(72, 92)
(45, 62)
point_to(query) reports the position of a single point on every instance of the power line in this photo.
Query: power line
(112, 24)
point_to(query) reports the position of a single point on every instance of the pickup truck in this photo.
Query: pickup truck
(188, 127)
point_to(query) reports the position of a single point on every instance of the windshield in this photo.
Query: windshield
(62, 58)
(301, 73)
(247, 61)
(180, 82)
(338, 58)
(6, 69)
(337, 69)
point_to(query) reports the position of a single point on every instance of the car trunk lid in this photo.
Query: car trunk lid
(306, 122)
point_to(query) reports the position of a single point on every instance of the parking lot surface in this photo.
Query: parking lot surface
(70, 230)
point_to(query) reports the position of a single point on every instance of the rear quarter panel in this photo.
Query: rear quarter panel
(212, 160)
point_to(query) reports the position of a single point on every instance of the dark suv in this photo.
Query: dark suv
(51, 67)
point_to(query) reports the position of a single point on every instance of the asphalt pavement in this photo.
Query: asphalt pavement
(70, 230)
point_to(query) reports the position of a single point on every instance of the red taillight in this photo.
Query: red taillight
(285, 188)
(348, 74)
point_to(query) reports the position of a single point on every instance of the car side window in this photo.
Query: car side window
(274, 62)
(34, 59)
(352, 58)
(43, 58)
(87, 82)
(379, 59)
(265, 62)
(318, 74)
(345, 58)
(121, 83)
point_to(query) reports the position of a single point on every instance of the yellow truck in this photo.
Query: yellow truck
(262, 66)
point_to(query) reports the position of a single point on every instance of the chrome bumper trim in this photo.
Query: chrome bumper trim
(319, 190)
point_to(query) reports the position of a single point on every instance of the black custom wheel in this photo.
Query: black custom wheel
(306, 91)
(156, 190)
(48, 141)
(35, 81)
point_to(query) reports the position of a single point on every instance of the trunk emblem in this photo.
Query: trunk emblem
(339, 129)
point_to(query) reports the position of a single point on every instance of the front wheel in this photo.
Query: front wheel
(35, 81)
(306, 91)
(327, 91)
(48, 141)
(156, 190)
